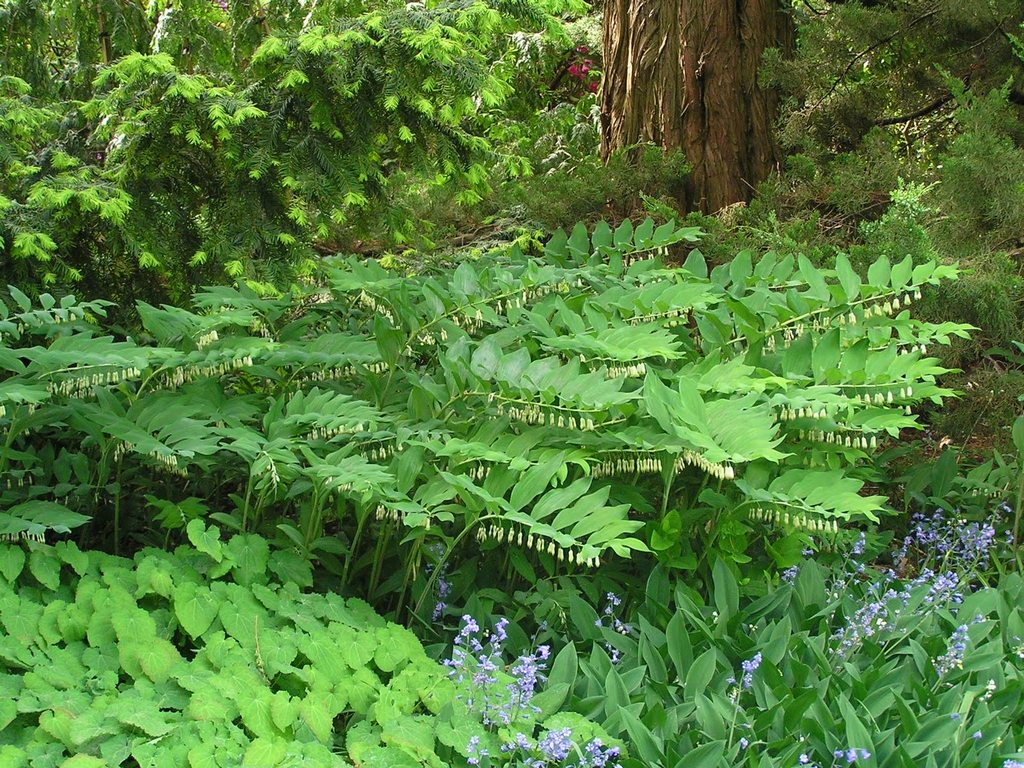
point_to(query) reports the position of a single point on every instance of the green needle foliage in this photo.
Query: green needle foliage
(191, 142)
(589, 403)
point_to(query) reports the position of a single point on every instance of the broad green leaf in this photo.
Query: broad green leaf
(13, 757)
(12, 561)
(1018, 436)
(69, 553)
(565, 667)
(848, 278)
(265, 753)
(156, 657)
(816, 285)
(705, 756)
(413, 734)
(34, 518)
(206, 540)
(680, 649)
(645, 743)
(83, 761)
(901, 273)
(727, 594)
(700, 673)
(45, 567)
(195, 607)
(315, 711)
(250, 555)
(879, 272)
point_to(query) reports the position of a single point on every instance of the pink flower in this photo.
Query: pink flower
(574, 70)
(583, 49)
(592, 87)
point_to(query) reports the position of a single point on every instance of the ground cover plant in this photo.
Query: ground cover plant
(840, 664)
(203, 657)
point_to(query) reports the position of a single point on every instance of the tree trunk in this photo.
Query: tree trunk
(682, 74)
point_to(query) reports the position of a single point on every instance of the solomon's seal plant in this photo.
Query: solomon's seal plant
(594, 402)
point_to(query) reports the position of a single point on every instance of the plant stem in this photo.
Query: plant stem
(378, 556)
(360, 525)
(410, 567)
(1018, 509)
(444, 558)
(245, 503)
(117, 510)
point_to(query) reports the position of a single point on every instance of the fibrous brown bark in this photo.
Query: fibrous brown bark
(682, 74)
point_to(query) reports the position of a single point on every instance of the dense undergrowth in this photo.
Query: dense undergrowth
(527, 439)
(204, 657)
(544, 411)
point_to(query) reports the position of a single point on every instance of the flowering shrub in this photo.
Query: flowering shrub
(597, 401)
(582, 70)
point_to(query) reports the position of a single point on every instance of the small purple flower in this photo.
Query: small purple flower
(953, 658)
(613, 653)
(442, 587)
(889, 599)
(596, 756)
(500, 634)
(744, 743)
(852, 755)
(749, 668)
(469, 627)
(961, 544)
(556, 745)
(475, 751)
(612, 602)
(859, 545)
(527, 674)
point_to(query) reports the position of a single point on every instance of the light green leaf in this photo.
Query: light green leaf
(84, 761)
(45, 567)
(69, 553)
(195, 607)
(700, 673)
(206, 540)
(156, 657)
(250, 555)
(265, 753)
(315, 711)
(12, 561)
